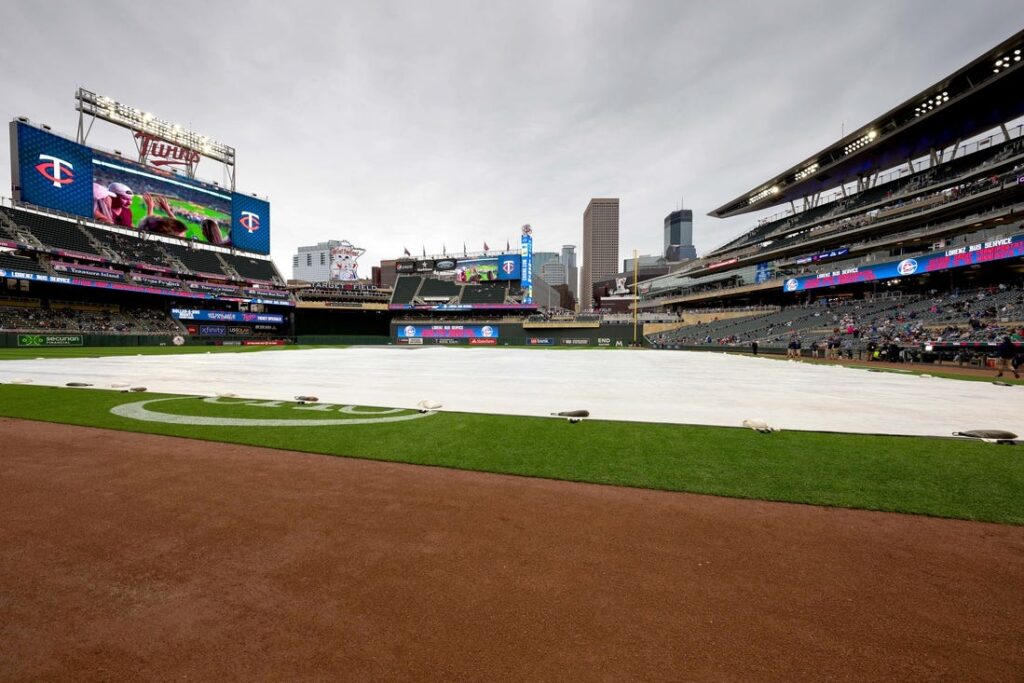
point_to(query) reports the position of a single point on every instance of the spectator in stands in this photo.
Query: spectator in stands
(1005, 353)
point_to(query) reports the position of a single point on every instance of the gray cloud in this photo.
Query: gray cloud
(397, 124)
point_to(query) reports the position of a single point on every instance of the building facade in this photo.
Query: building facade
(572, 272)
(600, 246)
(679, 236)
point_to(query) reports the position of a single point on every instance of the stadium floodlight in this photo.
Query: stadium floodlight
(800, 175)
(768, 191)
(146, 123)
(860, 142)
(931, 103)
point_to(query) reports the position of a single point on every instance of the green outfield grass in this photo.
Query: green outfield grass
(931, 476)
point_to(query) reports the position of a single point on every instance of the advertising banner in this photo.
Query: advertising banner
(982, 252)
(212, 330)
(226, 316)
(823, 256)
(405, 266)
(39, 340)
(541, 341)
(526, 251)
(445, 264)
(450, 331)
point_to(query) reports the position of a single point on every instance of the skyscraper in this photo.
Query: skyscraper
(600, 246)
(572, 273)
(679, 236)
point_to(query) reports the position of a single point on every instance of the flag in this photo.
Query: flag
(424, 251)
(444, 249)
(464, 252)
(507, 247)
(406, 250)
(486, 247)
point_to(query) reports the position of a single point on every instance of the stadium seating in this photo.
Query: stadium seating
(484, 294)
(24, 264)
(406, 288)
(439, 289)
(981, 315)
(253, 269)
(196, 260)
(131, 249)
(54, 232)
(89, 318)
(981, 161)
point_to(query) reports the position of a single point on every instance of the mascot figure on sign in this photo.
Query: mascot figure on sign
(345, 261)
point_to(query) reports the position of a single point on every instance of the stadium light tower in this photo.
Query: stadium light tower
(148, 128)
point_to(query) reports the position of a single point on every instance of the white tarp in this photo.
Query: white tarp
(647, 386)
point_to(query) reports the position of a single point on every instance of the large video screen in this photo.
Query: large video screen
(54, 172)
(489, 269)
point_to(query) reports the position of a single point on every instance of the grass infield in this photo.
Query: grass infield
(931, 476)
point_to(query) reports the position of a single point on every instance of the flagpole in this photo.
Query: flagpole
(636, 277)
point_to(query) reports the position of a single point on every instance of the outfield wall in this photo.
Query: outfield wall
(510, 334)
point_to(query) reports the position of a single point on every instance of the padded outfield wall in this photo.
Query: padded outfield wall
(509, 334)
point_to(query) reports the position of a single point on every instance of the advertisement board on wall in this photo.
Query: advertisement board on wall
(526, 251)
(448, 331)
(982, 252)
(56, 173)
(38, 340)
(226, 316)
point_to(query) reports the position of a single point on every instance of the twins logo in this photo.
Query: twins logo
(791, 285)
(508, 267)
(250, 221)
(57, 171)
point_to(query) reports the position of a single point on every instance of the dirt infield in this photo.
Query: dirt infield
(135, 556)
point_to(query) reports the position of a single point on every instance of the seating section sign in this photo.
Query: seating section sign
(973, 254)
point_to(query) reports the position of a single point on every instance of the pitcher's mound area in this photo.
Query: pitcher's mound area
(127, 556)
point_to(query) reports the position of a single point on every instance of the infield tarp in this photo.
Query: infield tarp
(646, 386)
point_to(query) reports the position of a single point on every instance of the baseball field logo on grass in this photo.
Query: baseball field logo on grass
(184, 411)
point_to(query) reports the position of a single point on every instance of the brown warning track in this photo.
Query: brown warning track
(134, 556)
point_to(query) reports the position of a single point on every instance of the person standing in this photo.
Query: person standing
(753, 347)
(1005, 353)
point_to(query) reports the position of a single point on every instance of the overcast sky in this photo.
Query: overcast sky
(404, 124)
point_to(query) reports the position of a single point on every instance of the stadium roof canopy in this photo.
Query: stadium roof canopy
(980, 96)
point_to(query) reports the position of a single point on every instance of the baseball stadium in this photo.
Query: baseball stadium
(797, 456)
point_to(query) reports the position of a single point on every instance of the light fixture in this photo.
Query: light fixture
(768, 191)
(103, 107)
